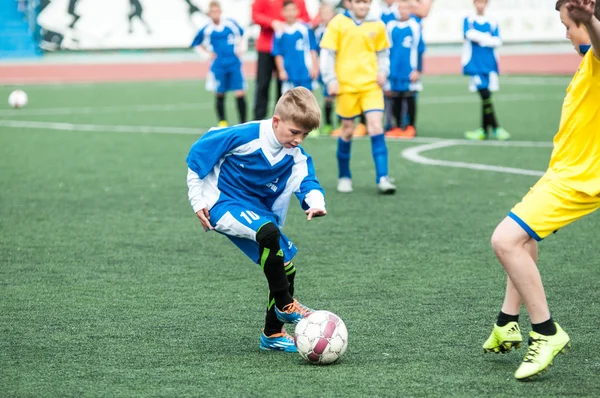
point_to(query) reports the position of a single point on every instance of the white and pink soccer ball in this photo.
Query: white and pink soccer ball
(321, 337)
(17, 99)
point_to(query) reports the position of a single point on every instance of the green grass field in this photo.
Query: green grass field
(109, 287)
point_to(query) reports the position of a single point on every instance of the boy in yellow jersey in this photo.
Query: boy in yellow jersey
(355, 65)
(569, 190)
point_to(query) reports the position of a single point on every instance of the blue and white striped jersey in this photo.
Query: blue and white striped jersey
(406, 48)
(247, 164)
(482, 37)
(221, 39)
(295, 44)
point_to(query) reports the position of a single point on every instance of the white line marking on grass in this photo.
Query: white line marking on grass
(414, 155)
(88, 110)
(100, 128)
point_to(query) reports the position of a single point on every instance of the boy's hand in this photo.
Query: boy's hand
(581, 11)
(381, 79)
(283, 76)
(310, 213)
(333, 88)
(204, 217)
(415, 75)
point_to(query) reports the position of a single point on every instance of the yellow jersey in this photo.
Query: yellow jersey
(576, 155)
(356, 47)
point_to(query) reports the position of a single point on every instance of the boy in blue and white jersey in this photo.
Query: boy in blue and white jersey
(326, 14)
(404, 81)
(240, 183)
(295, 51)
(480, 62)
(389, 11)
(221, 38)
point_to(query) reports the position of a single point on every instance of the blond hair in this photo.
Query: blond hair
(300, 107)
(214, 3)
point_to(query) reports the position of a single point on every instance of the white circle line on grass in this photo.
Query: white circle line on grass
(413, 154)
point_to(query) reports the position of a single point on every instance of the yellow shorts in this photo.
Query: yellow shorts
(549, 206)
(352, 105)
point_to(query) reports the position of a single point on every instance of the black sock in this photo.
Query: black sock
(547, 328)
(328, 111)
(271, 260)
(397, 105)
(220, 105)
(272, 324)
(241, 105)
(487, 109)
(363, 120)
(504, 319)
(411, 104)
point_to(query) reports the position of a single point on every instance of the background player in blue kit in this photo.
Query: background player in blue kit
(480, 62)
(404, 81)
(295, 51)
(221, 38)
(240, 183)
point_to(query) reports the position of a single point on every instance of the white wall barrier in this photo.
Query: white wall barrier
(145, 24)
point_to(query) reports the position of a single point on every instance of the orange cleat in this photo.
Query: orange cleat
(396, 132)
(409, 133)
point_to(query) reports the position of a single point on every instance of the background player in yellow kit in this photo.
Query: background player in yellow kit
(569, 190)
(354, 65)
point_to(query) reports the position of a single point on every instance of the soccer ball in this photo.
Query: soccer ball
(321, 337)
(17, 99)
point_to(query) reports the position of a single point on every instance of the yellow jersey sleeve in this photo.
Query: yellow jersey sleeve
(331, 37)
(381, 39)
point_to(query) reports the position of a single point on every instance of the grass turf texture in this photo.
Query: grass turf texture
(109, 287)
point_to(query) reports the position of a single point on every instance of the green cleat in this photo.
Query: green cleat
(314, 134)
(542, 350)
(327, 129)
(501, 134)
(476, 135)
(504, 338)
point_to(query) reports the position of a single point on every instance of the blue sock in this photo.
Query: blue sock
(380, 156)
(343, 158)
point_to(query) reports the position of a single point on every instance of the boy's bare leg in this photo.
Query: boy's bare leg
(510, 243)
(512, 299)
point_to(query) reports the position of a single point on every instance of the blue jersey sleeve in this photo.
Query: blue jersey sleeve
(277, 38)
(199, 38)
(496, 31)
(466, 27)
(210, 148)
(309, 183)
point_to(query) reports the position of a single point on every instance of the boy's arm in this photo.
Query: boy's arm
(473, 34)
(382, 47)
(329, 46)
(195, 191)
(278, 54)
(314, 48)
(310, 194)
(582, 11)
(199, 39)
(210, 149)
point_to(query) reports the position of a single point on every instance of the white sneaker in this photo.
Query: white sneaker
(385, 186)
(344, 185)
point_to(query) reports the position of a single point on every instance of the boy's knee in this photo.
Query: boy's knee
(506, 238)
(268, 236)
(374, 124)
